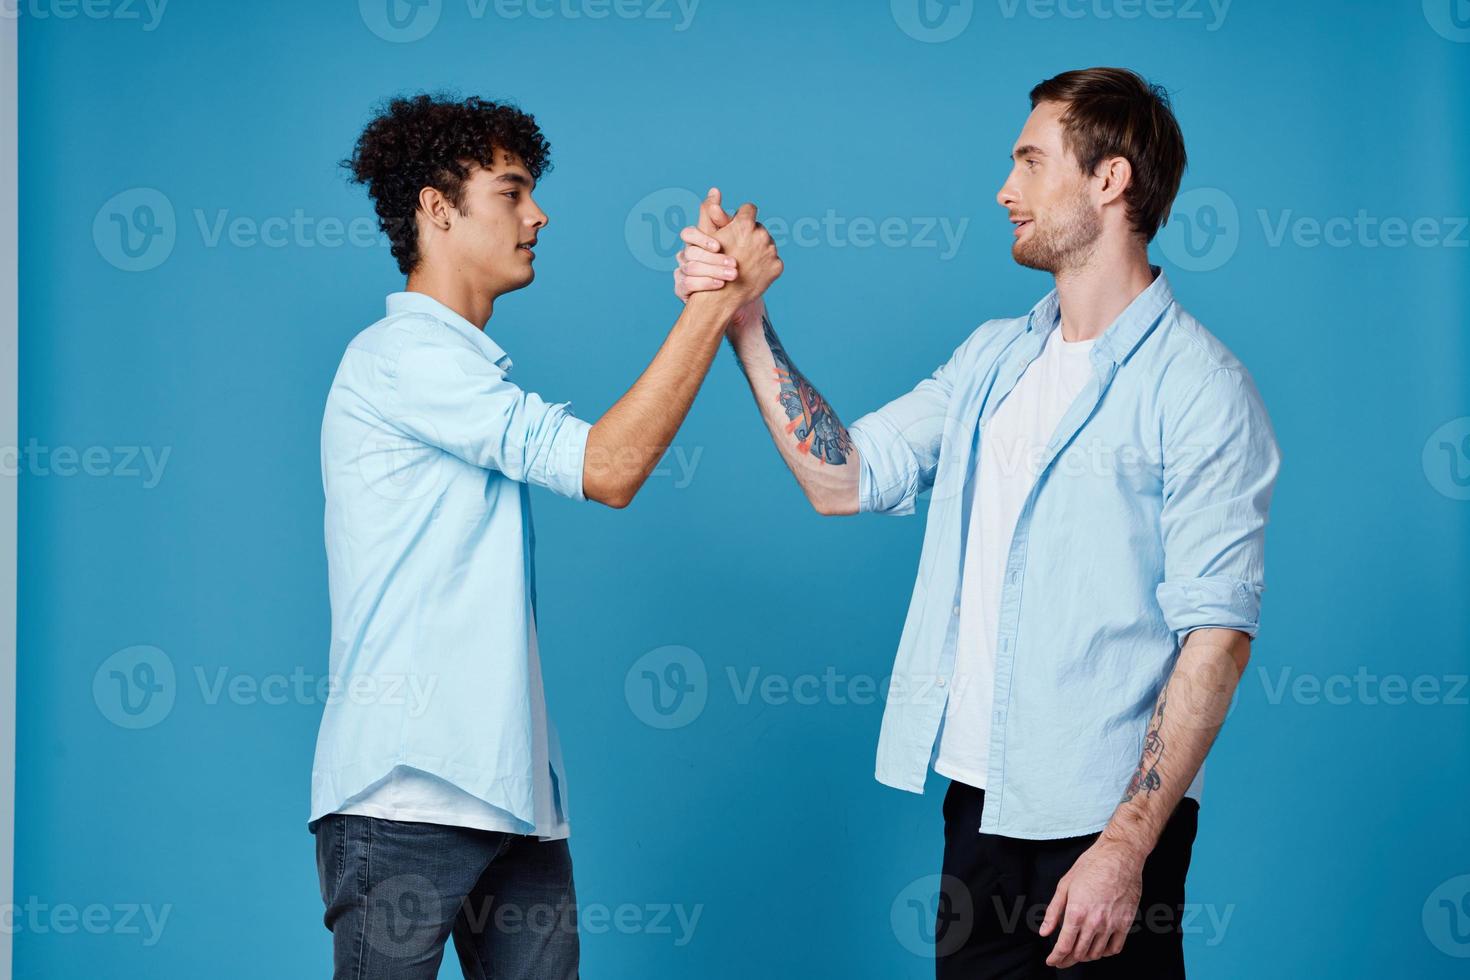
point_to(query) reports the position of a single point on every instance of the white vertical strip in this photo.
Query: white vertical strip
(9, 438)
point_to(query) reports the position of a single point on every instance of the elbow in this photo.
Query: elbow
(829, 506)
(616, 498)
(612, 493)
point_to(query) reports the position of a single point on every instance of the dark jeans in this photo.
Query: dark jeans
(395, 892)
(995, 891)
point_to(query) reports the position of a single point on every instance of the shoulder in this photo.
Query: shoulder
(413, 341)
(1197, 374)
(394, 334)
(1188, 348)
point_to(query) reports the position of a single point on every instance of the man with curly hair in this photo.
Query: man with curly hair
(1101, 470)
(439, 801)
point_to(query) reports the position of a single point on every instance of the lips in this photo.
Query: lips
(528, 247)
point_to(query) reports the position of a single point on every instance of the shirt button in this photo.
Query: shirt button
(956, 610)
(1015, 577)
(942, 682)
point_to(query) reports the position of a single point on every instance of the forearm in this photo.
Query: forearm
(626, 444)
(809, 435)
(1186, 719)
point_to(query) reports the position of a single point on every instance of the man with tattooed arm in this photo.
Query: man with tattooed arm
(1101, 470)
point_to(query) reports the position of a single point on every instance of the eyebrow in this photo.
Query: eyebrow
(512, 178)
(1027, 151)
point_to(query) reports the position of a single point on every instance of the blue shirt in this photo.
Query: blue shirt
(428, 452)
(1147, 521)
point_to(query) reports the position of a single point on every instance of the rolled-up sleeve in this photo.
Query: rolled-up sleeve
(898, 445)
(461, 402)
(1220, 467)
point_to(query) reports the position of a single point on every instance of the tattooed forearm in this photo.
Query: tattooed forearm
(1146, 777)
(812, 420)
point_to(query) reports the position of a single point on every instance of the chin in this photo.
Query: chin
(1028, 260)
(521, 281)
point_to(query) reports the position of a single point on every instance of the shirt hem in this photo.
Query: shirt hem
(405, 815)
(949, 772)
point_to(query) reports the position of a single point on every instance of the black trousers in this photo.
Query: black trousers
(995, 891)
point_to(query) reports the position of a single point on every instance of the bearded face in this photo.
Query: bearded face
(1061, 237)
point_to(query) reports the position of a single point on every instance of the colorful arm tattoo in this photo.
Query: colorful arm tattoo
(813, 422)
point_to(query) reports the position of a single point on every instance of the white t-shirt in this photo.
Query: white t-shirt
(415, 796)
(1011, 447)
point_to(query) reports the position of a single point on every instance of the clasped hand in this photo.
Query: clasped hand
(727, 253)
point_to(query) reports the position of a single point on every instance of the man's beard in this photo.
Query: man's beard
(1065, 243)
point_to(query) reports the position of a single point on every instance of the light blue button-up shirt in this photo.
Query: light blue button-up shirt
(1147, 521)
(428, 452)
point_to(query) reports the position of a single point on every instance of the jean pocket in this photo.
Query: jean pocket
(330, 856)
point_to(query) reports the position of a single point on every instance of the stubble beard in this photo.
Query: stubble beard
(1064, 244)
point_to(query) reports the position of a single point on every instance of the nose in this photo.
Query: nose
(537, 218)
(1006, 197)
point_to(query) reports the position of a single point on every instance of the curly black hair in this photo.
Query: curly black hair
(435, 140)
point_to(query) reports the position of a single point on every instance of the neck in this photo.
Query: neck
(1093, 294)
(474, 303)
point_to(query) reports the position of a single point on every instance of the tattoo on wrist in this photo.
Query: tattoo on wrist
(812, 420)
(1146, 777)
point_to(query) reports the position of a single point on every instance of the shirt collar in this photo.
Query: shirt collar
(1126, 332)
(407, 302)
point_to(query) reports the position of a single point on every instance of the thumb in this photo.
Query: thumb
(1055, 909)
(712, 217)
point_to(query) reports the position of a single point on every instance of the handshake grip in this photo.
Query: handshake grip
(747, 241)
(733, 256)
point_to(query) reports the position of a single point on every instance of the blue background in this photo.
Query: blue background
(1326, 826)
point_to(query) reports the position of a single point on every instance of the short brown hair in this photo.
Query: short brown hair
(1114, 112)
